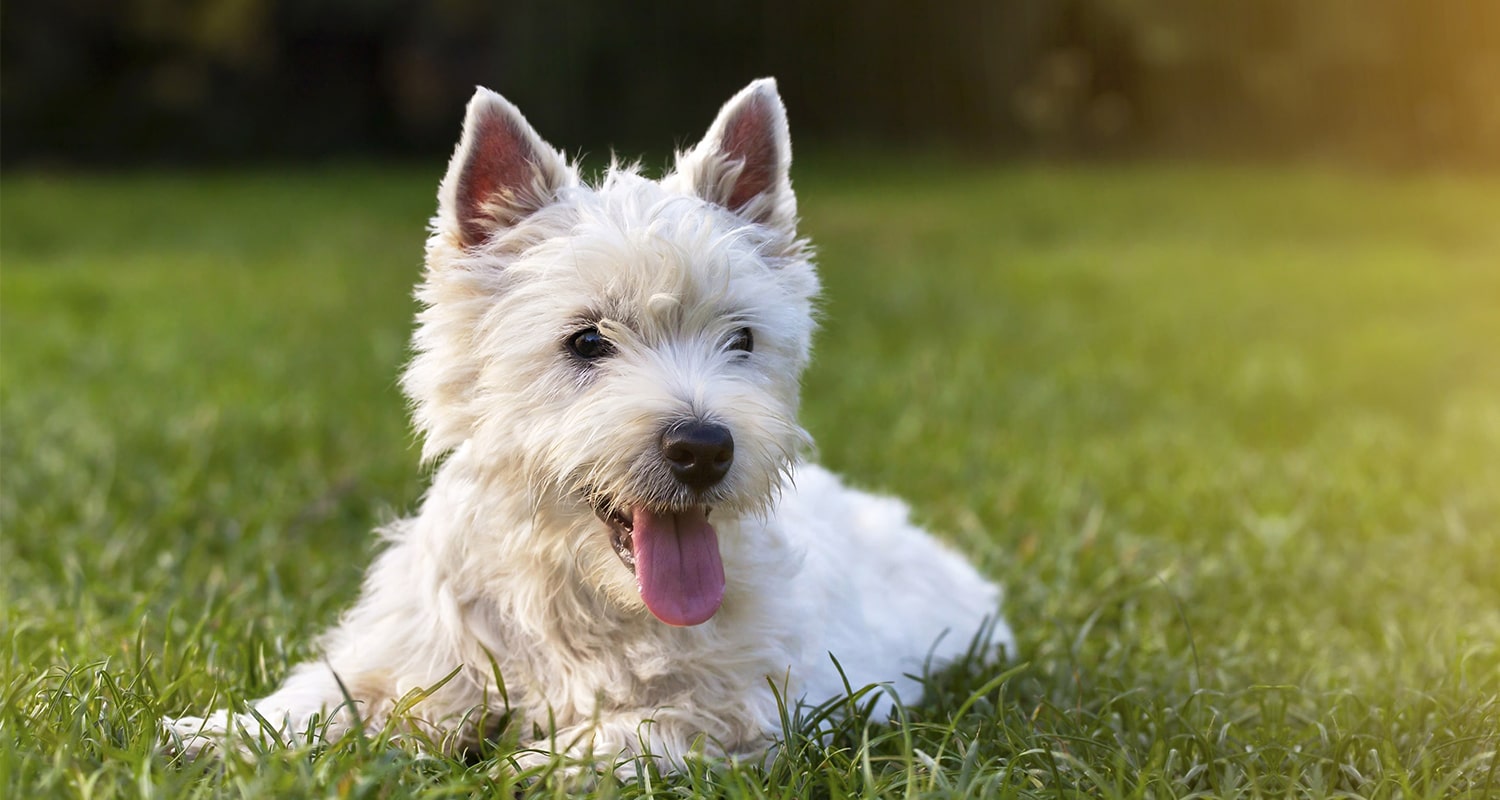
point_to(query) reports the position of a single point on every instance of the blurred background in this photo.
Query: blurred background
(113, 83)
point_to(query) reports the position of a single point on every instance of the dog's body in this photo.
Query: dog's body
(601, 369)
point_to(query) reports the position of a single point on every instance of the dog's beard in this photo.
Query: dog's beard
(665, 535)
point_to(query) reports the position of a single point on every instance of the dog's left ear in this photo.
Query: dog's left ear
(744, 162)
(501, 172)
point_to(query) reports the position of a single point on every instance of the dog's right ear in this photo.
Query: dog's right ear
(743, 162)
(501, 173)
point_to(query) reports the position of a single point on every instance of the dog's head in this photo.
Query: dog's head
(627, 355)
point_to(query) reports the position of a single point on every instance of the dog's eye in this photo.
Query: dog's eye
(590, 344)
(742, 340)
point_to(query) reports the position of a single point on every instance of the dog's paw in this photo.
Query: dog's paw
(222, 732)
(190, 737)
(571, 773)
(578, 767)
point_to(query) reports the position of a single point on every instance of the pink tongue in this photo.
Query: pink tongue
(677, 565)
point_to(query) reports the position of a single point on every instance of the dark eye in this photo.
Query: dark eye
(742, 340)
(590, 344)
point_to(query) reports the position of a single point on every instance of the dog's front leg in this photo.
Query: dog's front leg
(310, 703)
(394, 643)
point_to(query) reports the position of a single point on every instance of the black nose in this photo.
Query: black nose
(698, 452)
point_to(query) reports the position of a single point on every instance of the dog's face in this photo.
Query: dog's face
(626, 357)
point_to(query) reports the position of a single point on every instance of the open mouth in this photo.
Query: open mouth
(621, 527)
(674, 554)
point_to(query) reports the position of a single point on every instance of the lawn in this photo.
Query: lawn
(1231, 438)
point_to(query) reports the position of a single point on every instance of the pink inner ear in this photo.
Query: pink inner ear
(748, 137)
(499, 167)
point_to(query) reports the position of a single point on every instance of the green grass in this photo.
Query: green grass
(1230, 437)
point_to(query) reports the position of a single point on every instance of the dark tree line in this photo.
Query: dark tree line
(106, 82)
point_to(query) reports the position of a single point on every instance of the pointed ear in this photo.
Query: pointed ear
(501, 173)
(743, 163)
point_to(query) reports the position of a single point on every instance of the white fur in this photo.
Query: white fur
(507, 568)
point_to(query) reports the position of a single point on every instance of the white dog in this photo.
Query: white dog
(621, 529)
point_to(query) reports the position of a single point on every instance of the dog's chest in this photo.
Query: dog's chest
(635, 666)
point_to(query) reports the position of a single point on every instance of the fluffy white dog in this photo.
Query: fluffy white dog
(621, 528)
